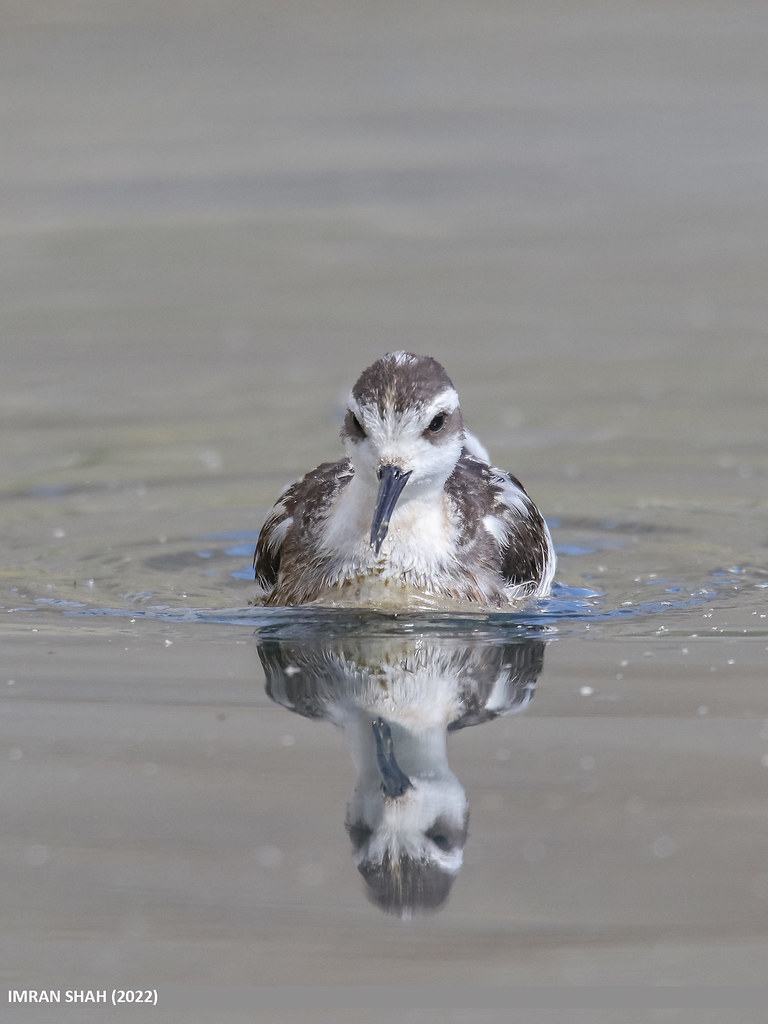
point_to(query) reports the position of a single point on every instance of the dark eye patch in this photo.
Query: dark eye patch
(359, 833)
(437, 423)
(444, 837)
(354, 427)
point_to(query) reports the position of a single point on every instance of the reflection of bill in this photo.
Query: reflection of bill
(396, 699)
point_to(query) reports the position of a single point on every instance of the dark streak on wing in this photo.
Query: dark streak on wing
(522, 558)
(305, 502)
(525, 557)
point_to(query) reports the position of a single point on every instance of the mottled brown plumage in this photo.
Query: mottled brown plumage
(461, 531)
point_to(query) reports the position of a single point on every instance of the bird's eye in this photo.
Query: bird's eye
(441, 841)
(359, 833)
(354, 427)
(437, 423)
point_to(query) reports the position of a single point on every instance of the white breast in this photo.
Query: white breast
(421, 536)
(420, 540)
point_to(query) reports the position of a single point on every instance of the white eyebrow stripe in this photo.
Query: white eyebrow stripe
(446, 401)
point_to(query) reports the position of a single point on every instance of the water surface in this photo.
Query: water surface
(210, 221)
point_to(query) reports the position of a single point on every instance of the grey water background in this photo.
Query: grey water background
(212, 217)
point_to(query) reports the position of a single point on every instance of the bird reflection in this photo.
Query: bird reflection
(396, 698)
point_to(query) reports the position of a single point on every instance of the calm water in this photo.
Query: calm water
(212, 217)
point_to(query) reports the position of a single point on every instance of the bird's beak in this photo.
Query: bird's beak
(394, 781)
(392, 481)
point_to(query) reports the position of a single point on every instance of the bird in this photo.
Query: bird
(414, 517)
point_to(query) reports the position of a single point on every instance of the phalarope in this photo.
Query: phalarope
(414, 516)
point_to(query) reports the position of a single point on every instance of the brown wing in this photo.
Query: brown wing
(505, 530)
(295, 515)
(528, 553)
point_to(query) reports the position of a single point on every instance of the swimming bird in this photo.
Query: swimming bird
(415, 516)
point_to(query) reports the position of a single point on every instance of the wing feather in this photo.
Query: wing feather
(294, 517)
(509, 536)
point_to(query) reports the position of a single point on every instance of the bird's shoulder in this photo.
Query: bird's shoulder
(479, 489)
(499, 519)
(294, 514)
